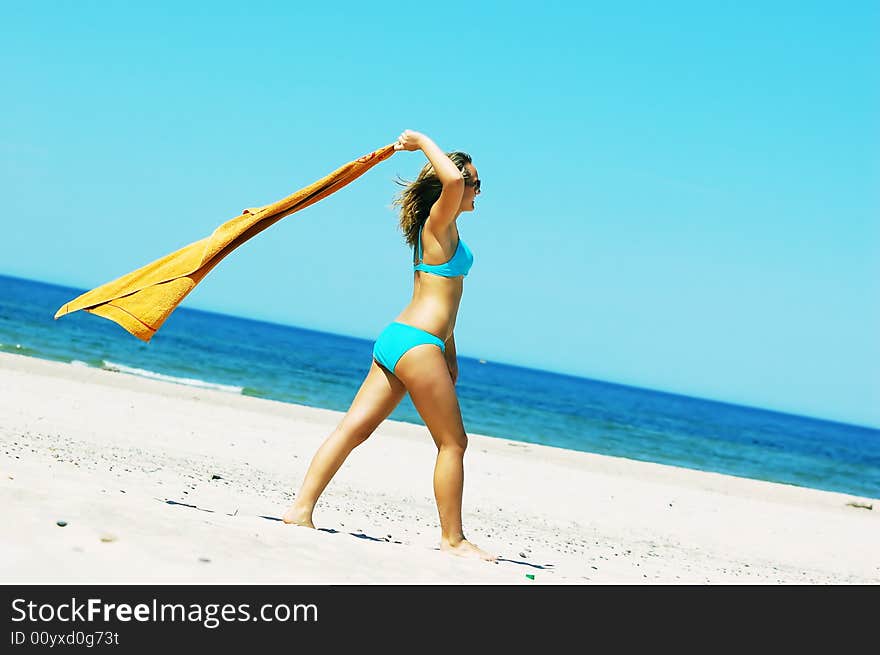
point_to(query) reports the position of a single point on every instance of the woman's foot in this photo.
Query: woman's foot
(298, 516)
(465, 548)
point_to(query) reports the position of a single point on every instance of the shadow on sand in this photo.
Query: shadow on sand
(359, 535)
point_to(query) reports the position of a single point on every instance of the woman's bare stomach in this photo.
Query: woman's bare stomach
(434, 307)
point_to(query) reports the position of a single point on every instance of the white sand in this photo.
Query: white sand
(104, 451)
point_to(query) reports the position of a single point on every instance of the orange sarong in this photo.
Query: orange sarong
(142, 300)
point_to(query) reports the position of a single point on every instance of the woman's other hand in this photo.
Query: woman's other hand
(408, 140)
(452, 365)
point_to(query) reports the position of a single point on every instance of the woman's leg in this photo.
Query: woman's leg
(424, 372)
(379, 394)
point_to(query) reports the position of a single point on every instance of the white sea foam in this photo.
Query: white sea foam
(77, 362)
(191, 382)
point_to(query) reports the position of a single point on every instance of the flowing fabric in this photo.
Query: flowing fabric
(142, 300)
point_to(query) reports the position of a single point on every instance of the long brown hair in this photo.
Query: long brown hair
(417, 197)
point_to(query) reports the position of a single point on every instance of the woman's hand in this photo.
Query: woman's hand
(409, 140)
(453, 370)
(451, 359)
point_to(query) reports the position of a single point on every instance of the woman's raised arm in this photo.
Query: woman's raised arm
(446, 208)
(447, 172)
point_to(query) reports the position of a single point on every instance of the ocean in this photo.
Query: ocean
(296, 365)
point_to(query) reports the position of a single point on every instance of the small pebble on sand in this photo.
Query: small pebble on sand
(61, 524)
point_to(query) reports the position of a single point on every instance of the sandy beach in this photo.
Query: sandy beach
(159, 483)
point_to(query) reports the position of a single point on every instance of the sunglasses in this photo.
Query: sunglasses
(469, 182)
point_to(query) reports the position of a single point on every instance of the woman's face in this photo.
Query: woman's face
(471, 188)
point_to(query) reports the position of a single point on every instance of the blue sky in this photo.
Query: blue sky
(680, 196)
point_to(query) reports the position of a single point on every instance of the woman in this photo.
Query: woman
(416, 352)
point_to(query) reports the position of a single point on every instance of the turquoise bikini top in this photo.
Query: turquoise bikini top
(460, 263)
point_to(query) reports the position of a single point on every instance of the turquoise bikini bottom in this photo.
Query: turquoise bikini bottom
(398, 338)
